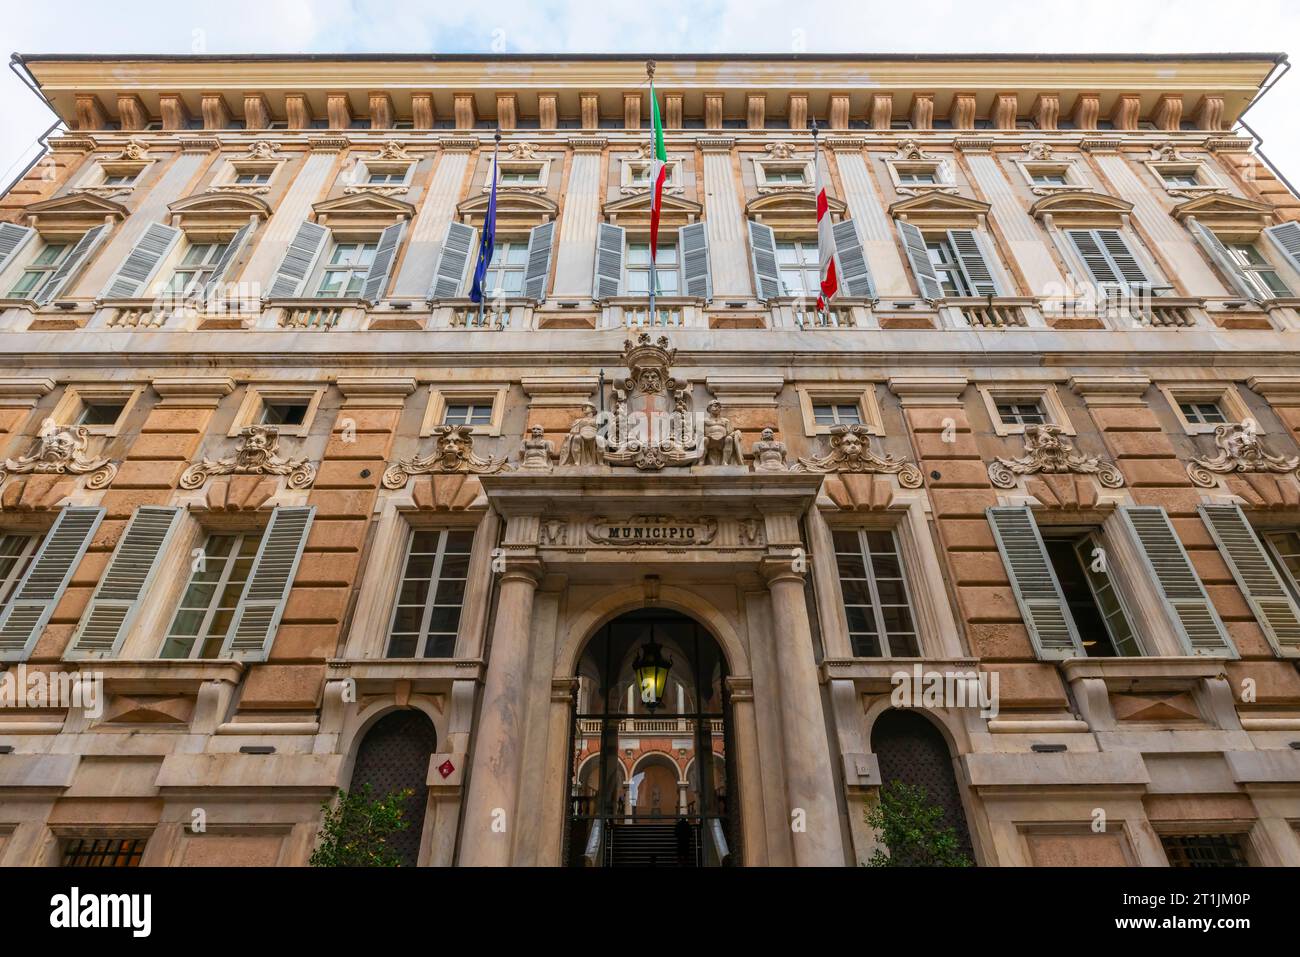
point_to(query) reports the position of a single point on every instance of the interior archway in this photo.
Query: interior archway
(632, 800)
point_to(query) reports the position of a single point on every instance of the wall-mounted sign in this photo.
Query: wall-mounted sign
(654, 531)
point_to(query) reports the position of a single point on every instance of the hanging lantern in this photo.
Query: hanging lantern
(651, 669)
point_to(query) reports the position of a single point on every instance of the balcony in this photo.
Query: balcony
(633, 312)
(649, 727)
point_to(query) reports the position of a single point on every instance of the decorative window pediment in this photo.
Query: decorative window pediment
(386, 173)
(362, 213)
(1083, 208)
(783, 170)
(73, 214)
(252, 172)
(1181, 175)
(216, 216)
(517, 211)
(938, 210)
(633, 171)
(633, 212)
(915, 172)
(1047, 173)
(117, 175)
(1226, 214)
(792, 212)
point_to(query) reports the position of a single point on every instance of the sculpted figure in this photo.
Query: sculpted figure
(721, 441)
(582, 446)
(769, 454)
(537, 451)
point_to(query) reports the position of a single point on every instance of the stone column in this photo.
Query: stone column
(498, 743)
(810, 783)
(750, 800)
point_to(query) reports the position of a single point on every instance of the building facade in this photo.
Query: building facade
(1016, 518)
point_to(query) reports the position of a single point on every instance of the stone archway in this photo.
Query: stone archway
(393, 756)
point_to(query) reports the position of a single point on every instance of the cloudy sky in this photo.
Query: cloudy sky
(666, 26)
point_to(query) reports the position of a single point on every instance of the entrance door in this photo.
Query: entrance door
(650, 783)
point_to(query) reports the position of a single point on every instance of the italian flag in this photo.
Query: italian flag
(830, 283)
(658, 172)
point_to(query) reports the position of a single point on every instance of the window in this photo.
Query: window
(837, 413)
(100, 413)
(505, 274)
(1090, 597)
(800, 268)
(472, 412)
(381, 177)
(427, 615)
(1180, 177)
(947, 267)
(1284, 548)
(207, 610)
(1259, 271)
(1202, 413)
(120, 179)
(1022, 413)
(196, 268)
(520, 176)
(252, 179)
(638, 269)
(1049, 179)
(346, 271)
(916, 177)
(291, 412)
(103, 851)
(39, 271)
(784, 175)
(15, 555)
(876, 600)
(1204, 850)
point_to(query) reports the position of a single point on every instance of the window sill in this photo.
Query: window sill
(183, 676)
(876, 675)
(379, 675)
(1145, 674)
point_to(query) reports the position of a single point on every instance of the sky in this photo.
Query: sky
(664, 26)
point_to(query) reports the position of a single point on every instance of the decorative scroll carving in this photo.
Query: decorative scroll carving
(769, 454)
(1240, 450)
(454, 452)
(850, 451)
(1047, 451)
(258, 454)
(537, 451)
(62, 451)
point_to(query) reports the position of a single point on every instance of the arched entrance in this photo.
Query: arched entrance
(393, 756)
(638, 756)
(912, 750)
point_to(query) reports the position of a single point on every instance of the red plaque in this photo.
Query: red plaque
(446, 768)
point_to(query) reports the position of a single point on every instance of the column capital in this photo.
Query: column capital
(776, 569)
(523, 568)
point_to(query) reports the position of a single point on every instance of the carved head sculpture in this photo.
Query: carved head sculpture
(847, 440)
(769, 434)
(61, 443)
(455, 443)
(1043, 437)
(715, 409)
(537, 432)
(1237, 439)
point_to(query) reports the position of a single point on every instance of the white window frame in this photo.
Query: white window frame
(875, 606)
(667, 239)
(441, 396)
(862, 394)
(805, 245)
(313, 287)
(761, 167)
(175, 261)
(1207, 181)
(1225, 394)
(1067, 168)
(257, 395)
(938, 168)
(542, 166)
(1044, 393)
(31, 251)
(1251, 270)
(207, 534)
(234, 168)
(628, 168)
(32, 543)
(422, 637)
(76, 397)
(521, 268)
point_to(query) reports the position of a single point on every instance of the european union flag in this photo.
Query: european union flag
(488, 240)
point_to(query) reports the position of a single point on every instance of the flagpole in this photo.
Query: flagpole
(482, 293)
(654, 279)
(817, 179)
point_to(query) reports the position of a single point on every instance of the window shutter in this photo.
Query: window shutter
(298, 261)
(1220, 256)
(1094, 257)
(142, 262)
(1256, 576)
(46, 577)
(1033, 580)
(227, 257)
(538, 270)
(382, 265)
(11, 238)
(762, 245)
(1126, 264)
(974, 265)
(72, 262)
(609, 261)
(1287, 238)
(919, 256)
(450, 275)
(693, 241)
(1185, 598)
(130, 573)
(269, 580)
(855, 274)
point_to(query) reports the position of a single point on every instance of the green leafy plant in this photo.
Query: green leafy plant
(913, 830)
(356, 830)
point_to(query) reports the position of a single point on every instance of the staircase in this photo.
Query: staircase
(648, 845)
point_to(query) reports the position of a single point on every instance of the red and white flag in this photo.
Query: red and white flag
(830, 283)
